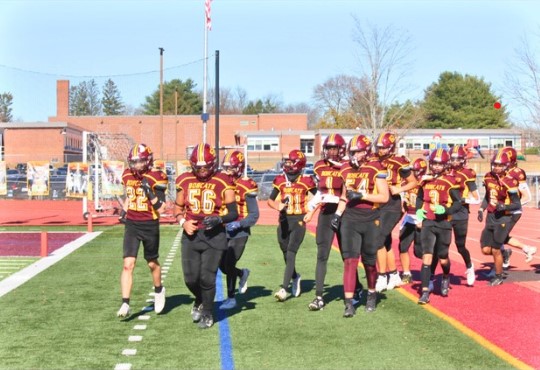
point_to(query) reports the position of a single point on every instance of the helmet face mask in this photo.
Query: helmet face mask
(294, 163)
(140, 160)
(458, 157)
(438, 161)
(234, 164)
(359, 144)
(203, 161)
(500, 162)
(334, 148)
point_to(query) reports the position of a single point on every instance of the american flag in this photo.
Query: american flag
(207, 4)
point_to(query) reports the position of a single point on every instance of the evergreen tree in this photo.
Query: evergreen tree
(6, 99)
(111, 100)
(84, 99)
(458, 101)
(187, 102)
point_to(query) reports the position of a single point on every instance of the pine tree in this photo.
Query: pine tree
(111, 100)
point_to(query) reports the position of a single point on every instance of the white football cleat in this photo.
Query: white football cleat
(124, 310)
(296, 289)
(242, 285)
(394, 281)
(529, 253)
(159, 301)
(281, 295)
(471, 277)
(381, 284)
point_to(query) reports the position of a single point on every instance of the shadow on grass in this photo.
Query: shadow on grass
(171, 303)
(243, 302)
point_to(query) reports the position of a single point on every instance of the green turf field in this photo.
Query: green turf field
(64, 318)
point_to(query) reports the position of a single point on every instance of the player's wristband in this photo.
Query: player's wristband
(182, 222)
(157, 205)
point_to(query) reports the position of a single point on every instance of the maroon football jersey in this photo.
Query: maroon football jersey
(464, 176)
(363, 179)
(518, 174)
(437, 192)
(329, 181)
(295, 191)
(139, 206)
(394, 164)
(410, 199)
(244, 186)
(497, 190)
(204, 198)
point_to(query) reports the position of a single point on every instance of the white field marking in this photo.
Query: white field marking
(129, 352)
(22, 276)
(163, 276)
(166, 268)
(167, 264)
(122, 366)
(151, 294)
(149, 301)
(139, 327)
(144, 317)
(135, 338)
(169, 260)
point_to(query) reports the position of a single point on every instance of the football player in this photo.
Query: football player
(357, 217)
(400, 179)
(205, 202)
(329, 185)
(145, 199)
(238, 231)
(293, 189)
(438, 198)
(500, 201)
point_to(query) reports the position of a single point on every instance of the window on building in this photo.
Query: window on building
(306, 146)
(255, 144)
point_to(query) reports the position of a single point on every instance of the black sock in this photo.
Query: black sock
(158, 289)
(125, 300)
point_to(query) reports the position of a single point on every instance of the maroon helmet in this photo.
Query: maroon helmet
(235, 163)
(500, 158)
(358, 143)
(438, 156)
(458, 156)
(140, 154)
(511, 153)
(419, 167)
(334, 141)
(203, 161)
(386, 140)
(295, 162)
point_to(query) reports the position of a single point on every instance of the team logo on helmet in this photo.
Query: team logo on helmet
(295, 162)
(511, 153)
(358, 143)
(234, 163)
(419, 167)
(386, 140)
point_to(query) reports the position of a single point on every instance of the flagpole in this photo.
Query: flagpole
(207, 26)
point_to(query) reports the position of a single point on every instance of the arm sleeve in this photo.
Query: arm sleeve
(455, 194)
(160, 193)
(420, 198)
(515, 202)
(274, 194)
(253, 211)
(232, 214)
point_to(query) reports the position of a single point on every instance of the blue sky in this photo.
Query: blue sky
(278, 47)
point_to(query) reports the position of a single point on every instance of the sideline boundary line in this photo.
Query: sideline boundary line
(20, 277)
(225, 343)
(482, 341)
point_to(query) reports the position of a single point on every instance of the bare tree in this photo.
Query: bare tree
(523, 82)
(336, 97)
(383, 58)
(231, 101)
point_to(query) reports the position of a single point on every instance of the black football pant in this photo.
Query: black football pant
(229, 259)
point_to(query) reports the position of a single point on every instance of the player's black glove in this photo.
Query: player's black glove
(480, 215)
(122, 217)
(147, 189)
(335, 222)
(212, 221)
(354, 195)
(501, 207)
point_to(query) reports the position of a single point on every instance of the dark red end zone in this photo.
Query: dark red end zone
(29, 244)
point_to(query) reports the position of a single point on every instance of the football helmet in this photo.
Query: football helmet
(386, 140)
(234, 162)
(203, 161)
(295, 162)
(140, 160)
(334, 141)
(419, 167)
(500, 158)
(358, 143)
(458, 156)
(438, 156)
(511, 153)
